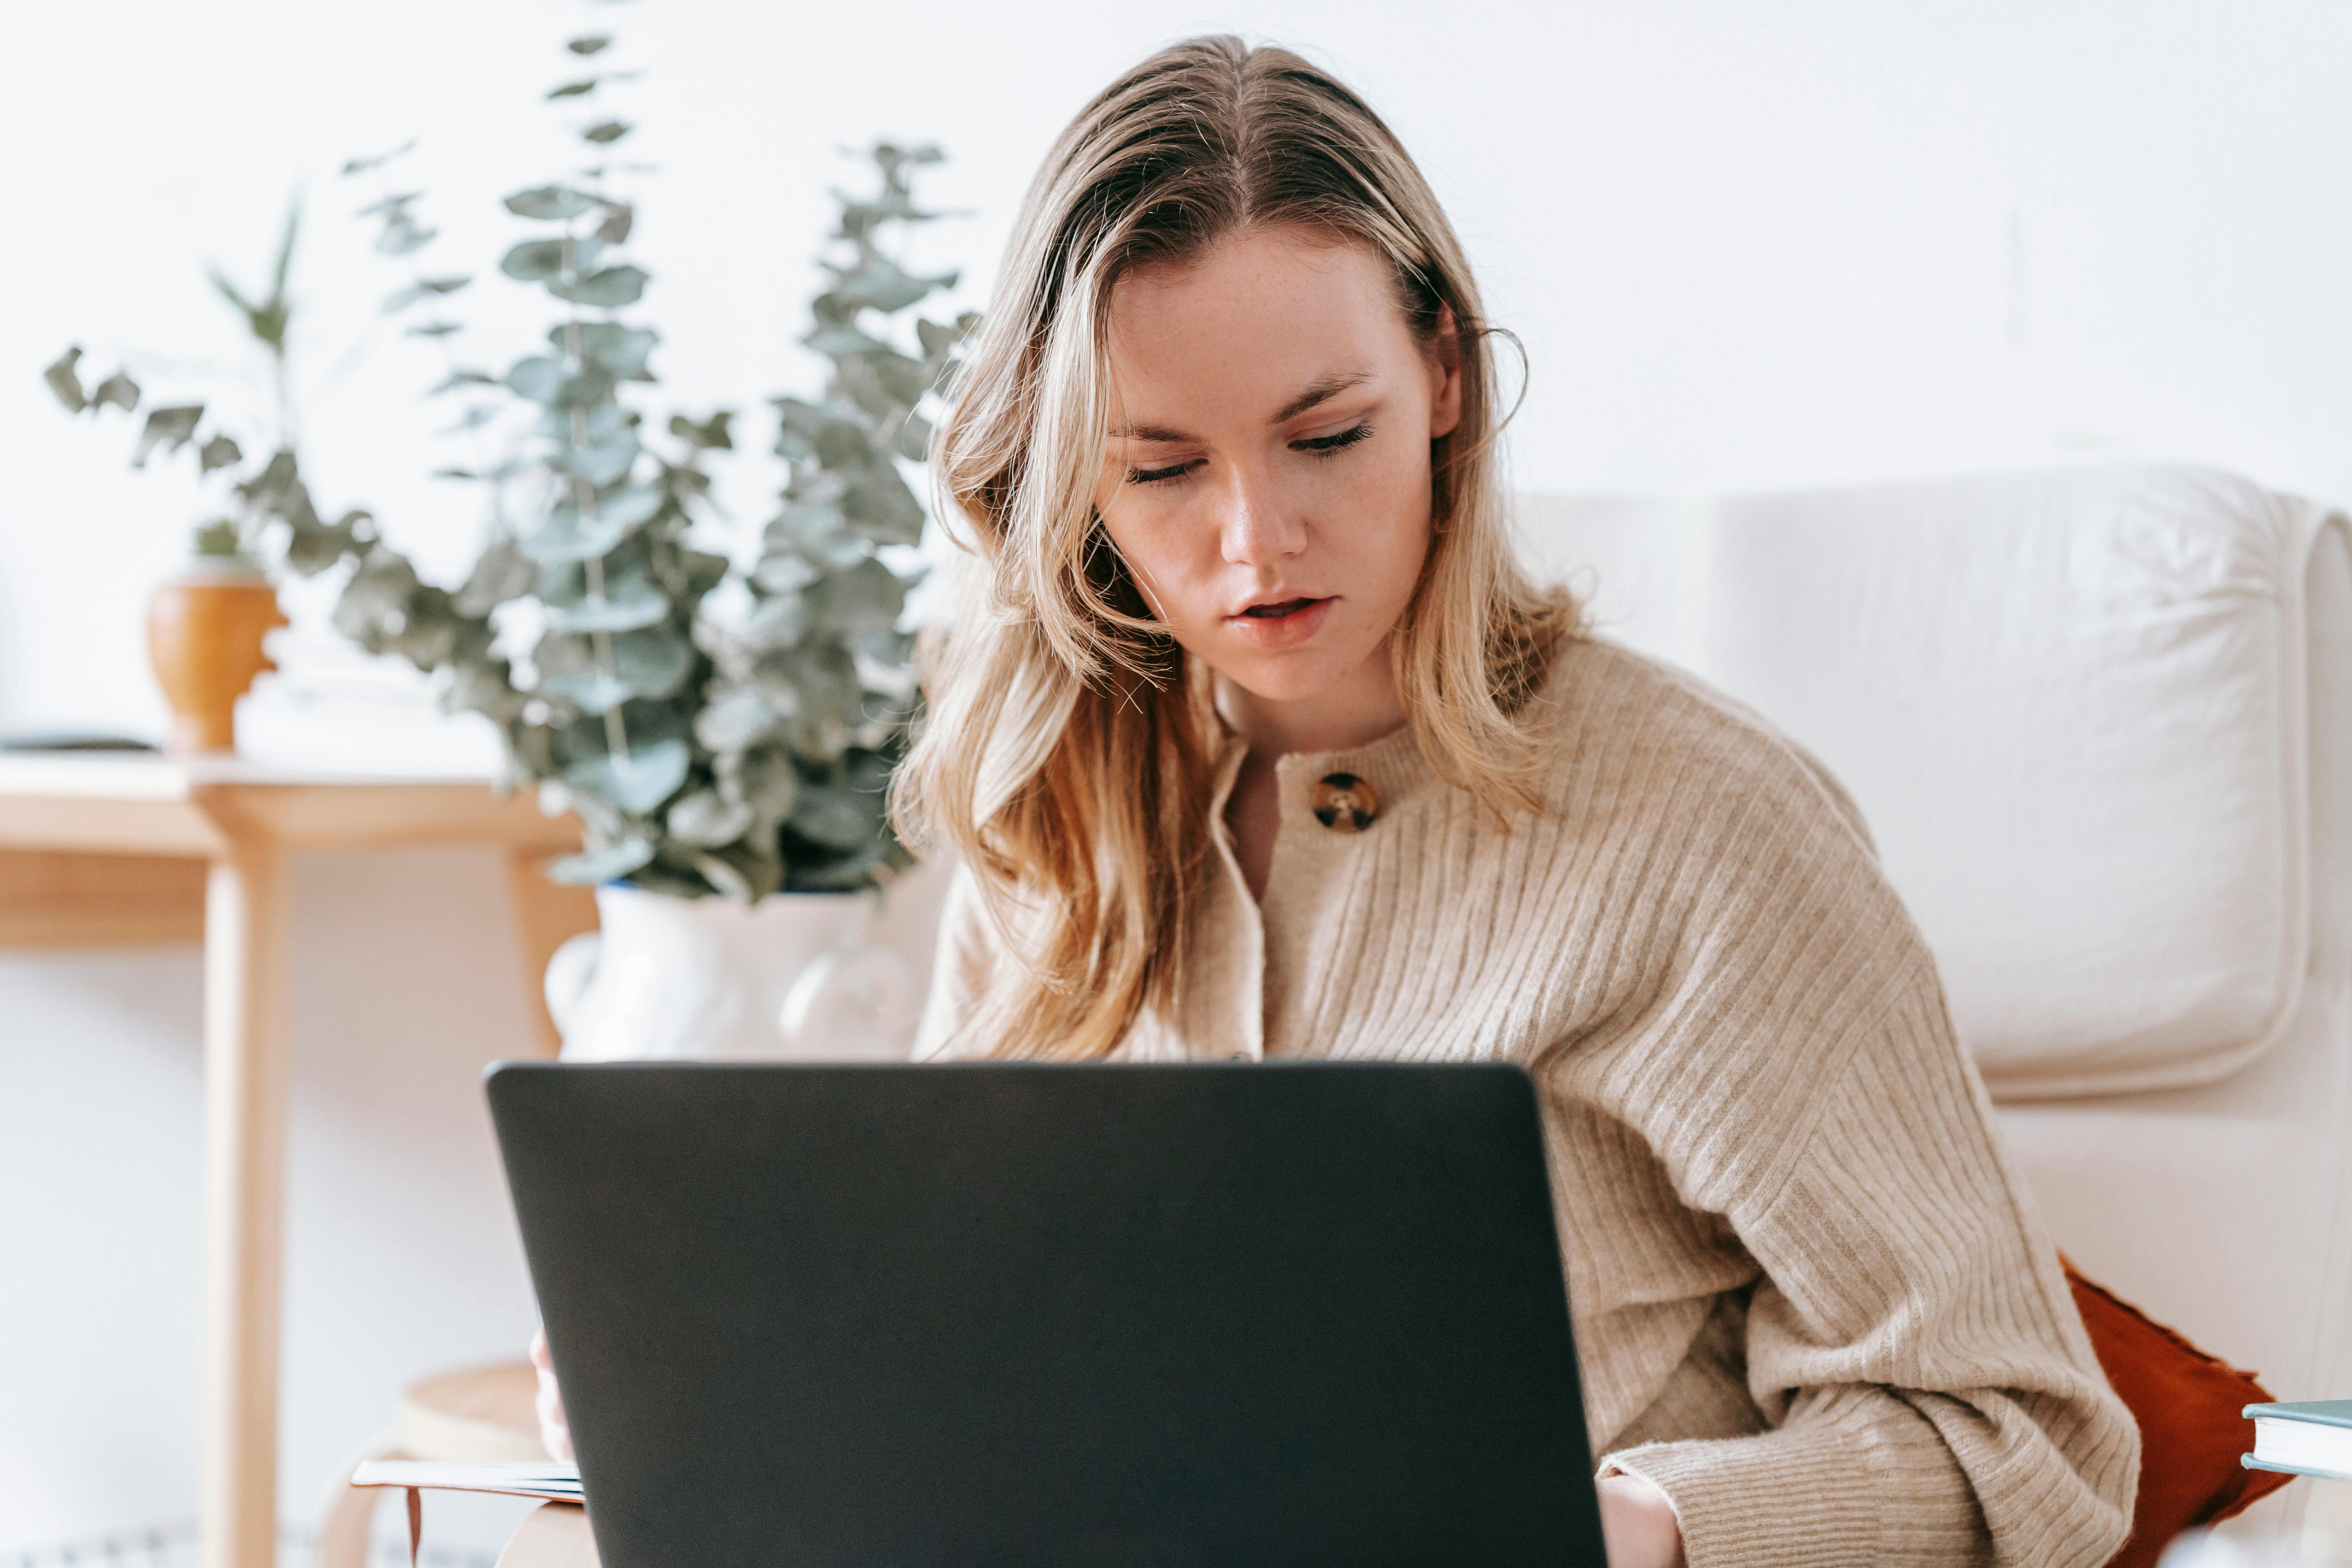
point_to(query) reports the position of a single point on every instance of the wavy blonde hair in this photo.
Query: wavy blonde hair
(1068, 745)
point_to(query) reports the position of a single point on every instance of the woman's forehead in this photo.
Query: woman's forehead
(1259, 319)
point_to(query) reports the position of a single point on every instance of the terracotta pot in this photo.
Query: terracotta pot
(204, 636)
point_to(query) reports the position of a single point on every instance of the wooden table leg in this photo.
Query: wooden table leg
(246, 1040)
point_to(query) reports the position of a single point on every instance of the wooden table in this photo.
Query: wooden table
(104, 850)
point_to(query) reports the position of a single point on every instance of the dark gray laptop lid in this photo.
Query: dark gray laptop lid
(1043, 1315)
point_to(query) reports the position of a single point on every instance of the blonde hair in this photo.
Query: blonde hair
(1067, 750)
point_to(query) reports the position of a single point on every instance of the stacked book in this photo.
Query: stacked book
(2312, 1439)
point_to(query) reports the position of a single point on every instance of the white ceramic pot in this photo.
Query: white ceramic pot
(791, 978)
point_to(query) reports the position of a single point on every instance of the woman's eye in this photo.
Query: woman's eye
(1162, 475)
(1325, 445)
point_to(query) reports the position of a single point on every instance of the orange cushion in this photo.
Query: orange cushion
(2188, 1406)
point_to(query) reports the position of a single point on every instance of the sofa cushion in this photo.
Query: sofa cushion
(2071, 706)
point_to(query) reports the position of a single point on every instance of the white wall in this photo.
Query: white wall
(1744, 244)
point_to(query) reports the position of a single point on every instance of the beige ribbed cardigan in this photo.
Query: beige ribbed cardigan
(1813, 1304)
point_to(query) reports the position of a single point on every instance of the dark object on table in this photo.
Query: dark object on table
(1060, 1316)
(32, 740)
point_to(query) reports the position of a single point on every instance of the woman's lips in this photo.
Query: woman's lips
(1283, 625)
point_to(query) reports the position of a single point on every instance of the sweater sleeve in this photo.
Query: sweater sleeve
(1932, 1395)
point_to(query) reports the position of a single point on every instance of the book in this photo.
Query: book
(2310, 1439)
(553, 1480)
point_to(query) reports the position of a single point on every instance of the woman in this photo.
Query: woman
(1253, 741)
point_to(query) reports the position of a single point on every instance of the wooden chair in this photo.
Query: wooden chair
(481, 1414)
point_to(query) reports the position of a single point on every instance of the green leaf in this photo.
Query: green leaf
(707, 819)
(838, 817)
(401, 299)
(779, 622)
(638, 783)
(620, 350)
(589, 43)
(503, 573)
(118, 389)
(369, 164)
(64, 381)
(402, 235)
(217, 541)
(617, 221)
(572, 90)
(168, 430)
(626, 607)
(602, 463)
(735, 721)
(593, 867)
(866, 597)
(539, 378)
(532, 260)
(880, 507)
(566, 535)
(220, 452)
(606, 132)
(711, 434)
(606, 289)
(434, 330)
(550, 203)
(458, 378)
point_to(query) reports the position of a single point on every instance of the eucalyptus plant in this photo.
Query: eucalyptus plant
(735, 743)
(273, 519)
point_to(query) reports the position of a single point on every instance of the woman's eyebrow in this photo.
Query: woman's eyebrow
(1321, 390)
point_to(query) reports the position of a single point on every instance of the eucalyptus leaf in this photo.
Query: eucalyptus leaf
(117, 390)
(639, 781)
(707, 819)
(603, 462)
(503, 573)
(735, 721)
(461, 378)
(220, 452)
(64, 381)
(609, 864)
(840, 818)
(539, 378)
(618, 219)
(589, 43)
(711, 434)
(642, 606)
(608, 289)
(434, 330)
(167, 429)
(621, 350)
(585, 86)
(606, 132)
(401, 299)
(550, 203)
(866, 597)
(402, 236)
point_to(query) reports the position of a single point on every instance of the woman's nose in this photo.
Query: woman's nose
(1257, 529)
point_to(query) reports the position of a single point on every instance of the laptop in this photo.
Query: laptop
(987, 1315)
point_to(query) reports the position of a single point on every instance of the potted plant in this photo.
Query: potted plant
(206, 624)
(723, 728)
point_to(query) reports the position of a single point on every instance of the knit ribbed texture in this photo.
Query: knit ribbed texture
(1813, 1303)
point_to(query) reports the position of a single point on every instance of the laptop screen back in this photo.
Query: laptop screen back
(1041, 1315)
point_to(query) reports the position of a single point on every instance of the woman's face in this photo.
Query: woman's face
(1267, 475)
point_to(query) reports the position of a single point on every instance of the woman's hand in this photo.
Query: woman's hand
(555, 1432)
(1637, 1523)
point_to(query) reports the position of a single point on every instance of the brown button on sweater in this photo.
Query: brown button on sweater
(1813, 1304)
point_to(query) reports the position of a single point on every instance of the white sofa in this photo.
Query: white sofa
(2101, 725)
